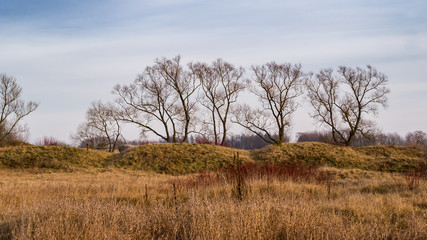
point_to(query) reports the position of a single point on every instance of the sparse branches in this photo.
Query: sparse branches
(184, 85)
(103, 119)
(85, 135)
(221, 83)
(12, 108)
(163, 93)
(323, 94)
(255, 121)
(277, 86)
(416, 138)
(343, 100)
(102, 122)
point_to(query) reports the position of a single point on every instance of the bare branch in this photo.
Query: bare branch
(12, 108)
(345, 99)
(277, 87)
(221, 84)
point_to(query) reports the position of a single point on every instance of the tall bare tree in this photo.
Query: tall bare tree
(102, 122)
(344, 100)
(277, 87)
(162, 95)
(184, 85)
(221, 83)
(12, 108)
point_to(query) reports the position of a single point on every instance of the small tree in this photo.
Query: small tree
(277, 87)
(12, 108)
(85, 135)
(221, 84)
(344, 100)
(102, 122)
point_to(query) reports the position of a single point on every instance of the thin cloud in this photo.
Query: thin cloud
(78, 51)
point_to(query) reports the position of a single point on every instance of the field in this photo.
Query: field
(124, 199)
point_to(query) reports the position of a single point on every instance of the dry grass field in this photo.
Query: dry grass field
(188, 191)
(124, 204)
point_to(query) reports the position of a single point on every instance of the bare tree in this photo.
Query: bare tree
(163, 94)
(13, 108)
(277, 87)
(344, 100)
(417, 137)
(85, 135)
(184, 85)
(221, 83)
(103, 119)
(102, 122)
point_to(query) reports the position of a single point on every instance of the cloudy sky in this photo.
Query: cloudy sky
(66, 54)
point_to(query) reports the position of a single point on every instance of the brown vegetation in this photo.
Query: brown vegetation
(274, 193)
(139, 205)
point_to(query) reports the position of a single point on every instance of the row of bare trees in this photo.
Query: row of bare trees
(173, 100)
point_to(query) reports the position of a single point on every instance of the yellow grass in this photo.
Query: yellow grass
(51, 157)
(190, 158)
(380, 158)
(177, 158)
(87, 198)
(119, 204)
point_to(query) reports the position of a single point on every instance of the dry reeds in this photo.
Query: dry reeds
(137, 205)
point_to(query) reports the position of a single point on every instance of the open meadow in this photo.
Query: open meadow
(257, 200)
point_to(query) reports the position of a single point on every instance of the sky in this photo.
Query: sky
(66, 54)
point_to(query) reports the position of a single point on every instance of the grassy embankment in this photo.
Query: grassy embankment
(129, 202)
(51, 157)
(190, 158)
(376, 158)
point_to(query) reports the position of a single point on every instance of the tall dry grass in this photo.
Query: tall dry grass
(137, 205)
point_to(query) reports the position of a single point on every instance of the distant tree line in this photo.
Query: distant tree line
(415, 138)
(175, 101)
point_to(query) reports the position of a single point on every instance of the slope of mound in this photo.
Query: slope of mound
(52, 157)
(177, 158)
(379, 158)
(394, 158)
